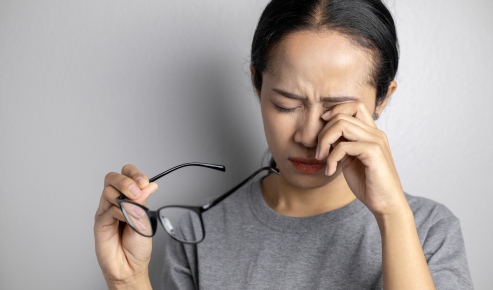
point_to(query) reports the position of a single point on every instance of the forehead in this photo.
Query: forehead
(325, 60)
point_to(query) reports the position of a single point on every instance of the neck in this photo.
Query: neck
(289, 200)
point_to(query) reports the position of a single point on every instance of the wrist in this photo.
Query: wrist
(136, 282)
(397, 219)
(397, 206)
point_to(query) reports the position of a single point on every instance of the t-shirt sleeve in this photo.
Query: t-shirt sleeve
(445, 252)
(177, 273)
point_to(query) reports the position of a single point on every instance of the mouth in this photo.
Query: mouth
(308, 166)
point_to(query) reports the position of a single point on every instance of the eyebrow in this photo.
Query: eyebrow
(332, 99)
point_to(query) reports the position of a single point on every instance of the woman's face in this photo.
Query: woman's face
(314, 66)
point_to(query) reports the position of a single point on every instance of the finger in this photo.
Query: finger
(133, 210)
(381, 136)
(134, 173)
(365, 152)
(345, 129)
(136, 217)
(342, 116)
(108, 198)
(109, 218)
(130, 171)
(359, 110)
(124, 184)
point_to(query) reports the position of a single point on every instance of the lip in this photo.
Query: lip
(308, 166)
(307, 161)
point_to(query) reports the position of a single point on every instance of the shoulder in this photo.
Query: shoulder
(434, 221)
(443, 245)
(428, 211)
(435, 224)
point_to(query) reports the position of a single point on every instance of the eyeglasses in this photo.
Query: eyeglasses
(183, 223)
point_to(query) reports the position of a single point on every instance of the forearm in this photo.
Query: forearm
(403, 262)
(141, 283)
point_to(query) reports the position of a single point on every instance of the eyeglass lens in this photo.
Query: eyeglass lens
(137, 218)
(183, 224)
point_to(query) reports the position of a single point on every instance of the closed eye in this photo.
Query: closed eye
(287, 111)
(284, 110)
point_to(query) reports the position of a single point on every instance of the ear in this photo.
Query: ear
(252, 70)
(390, 91)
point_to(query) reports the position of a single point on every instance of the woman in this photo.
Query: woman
(323, 72)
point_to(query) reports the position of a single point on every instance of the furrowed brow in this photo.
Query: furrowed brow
(331, 99)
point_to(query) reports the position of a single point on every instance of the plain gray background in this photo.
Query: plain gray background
(89, 86)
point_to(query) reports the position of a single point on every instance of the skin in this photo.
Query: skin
(316, 64)
(360, 165)
(122, 253)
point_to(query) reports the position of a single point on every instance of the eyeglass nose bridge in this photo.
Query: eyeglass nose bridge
(173, 229)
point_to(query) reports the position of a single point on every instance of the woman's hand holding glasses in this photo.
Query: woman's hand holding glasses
(122, 253)
(124, 249)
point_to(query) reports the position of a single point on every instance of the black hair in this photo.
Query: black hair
(368, 23)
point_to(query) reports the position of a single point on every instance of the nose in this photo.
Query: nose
(309, 127)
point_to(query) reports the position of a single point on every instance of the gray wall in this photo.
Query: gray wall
(89, 86)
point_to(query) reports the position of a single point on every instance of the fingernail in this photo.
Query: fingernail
(326, 114)
(318, 151)
(141, 180)
(138, 211)
(134, 190)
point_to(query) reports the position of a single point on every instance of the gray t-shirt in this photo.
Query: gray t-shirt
(250, 246)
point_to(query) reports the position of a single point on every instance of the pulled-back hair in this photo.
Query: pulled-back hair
(368, 23)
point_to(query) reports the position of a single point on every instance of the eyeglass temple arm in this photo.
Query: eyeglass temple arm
(206, 165)
(219, 199)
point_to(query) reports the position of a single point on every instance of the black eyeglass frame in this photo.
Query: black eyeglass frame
(153, 215)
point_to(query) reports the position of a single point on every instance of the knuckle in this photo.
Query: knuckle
(137, 174)
(107, 190)
(337, 116)
(383, 138)
(375, 148)
(340, 146)
(340, 121)
(114, 209)
(343, 144)
(126, 182)
(335, 152)
(362, 106)
(381, 143)
(322, 139)
(109, 175)
(127, 168)
(383, 135)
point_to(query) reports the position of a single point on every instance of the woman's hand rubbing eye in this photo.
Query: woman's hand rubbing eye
(364, 155)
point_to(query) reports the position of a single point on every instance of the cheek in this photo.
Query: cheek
(279, 130)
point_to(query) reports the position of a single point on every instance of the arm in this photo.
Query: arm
(403, 263)
(122, 253)
(370, 172)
